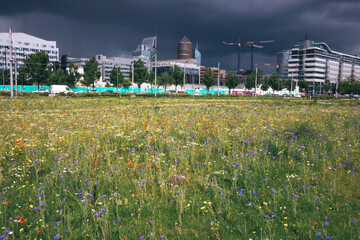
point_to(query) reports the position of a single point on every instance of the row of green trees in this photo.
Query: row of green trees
(37, 70)
(350, 85)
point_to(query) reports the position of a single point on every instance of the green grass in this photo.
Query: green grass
(117, 168)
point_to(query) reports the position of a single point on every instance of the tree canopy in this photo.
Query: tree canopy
(126, 83)
(250, 79)
(165, 80)
(177, 75)
(73, 76)
(304, 86)
(58, 77)
(350, 85)
(116, 76)
(6, 74)
(37, 67)
(265, 84)
(64, 62)
(273, 81)
(231, 81)
(151, 78)
(140, 72)
(91, 72)
(208, 79)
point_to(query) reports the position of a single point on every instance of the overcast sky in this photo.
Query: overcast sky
(83, 28)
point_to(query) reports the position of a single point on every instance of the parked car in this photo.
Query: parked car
(93, 90)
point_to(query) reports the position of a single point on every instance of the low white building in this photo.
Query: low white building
(106, 64)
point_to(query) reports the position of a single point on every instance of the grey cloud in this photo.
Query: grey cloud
(113, 27)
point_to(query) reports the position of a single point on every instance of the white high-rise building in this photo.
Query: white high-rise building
(316, 62)
(23, 45)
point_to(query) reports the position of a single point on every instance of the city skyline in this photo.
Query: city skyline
(87, 28)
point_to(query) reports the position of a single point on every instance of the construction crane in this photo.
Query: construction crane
(252, 44)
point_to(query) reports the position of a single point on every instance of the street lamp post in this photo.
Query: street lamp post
(192, 77)
(15, 76)
(117, 78)
(218, 80)
(132, 77)
(256, 71)
(336, 88)
(155, 74)
(11, 66)
(184, 80)
(3, 70)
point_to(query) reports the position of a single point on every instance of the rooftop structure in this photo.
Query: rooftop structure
(184, 49)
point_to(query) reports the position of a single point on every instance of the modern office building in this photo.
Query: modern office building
(23, 45)
(146, 51)
(316, 62)
(106, 64)
(184, 49)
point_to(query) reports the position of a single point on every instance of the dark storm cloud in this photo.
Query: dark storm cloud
(113, 27)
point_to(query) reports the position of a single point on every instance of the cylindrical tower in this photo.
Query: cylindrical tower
(184, 50)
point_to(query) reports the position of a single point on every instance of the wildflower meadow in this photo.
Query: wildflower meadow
(147, 168)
